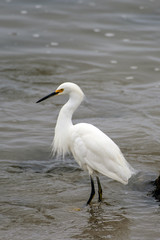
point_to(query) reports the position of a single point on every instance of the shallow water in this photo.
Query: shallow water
(111, 49)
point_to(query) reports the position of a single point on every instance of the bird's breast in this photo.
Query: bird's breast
(61, 142)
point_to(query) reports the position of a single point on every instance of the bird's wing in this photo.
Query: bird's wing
(96, 152)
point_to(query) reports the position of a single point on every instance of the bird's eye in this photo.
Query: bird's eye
(59, 90)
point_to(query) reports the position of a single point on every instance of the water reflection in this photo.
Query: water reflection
(105, 222)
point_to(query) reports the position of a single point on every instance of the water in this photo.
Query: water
(111, 49)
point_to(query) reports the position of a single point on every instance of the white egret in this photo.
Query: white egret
(93, 150)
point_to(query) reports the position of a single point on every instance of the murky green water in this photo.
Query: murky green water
(111, 49)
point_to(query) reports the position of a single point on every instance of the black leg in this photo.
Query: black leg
(92, 191)
(99, 190)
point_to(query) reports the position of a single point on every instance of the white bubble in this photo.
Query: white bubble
(96, 30)
(54, 44)
(129, 78)
(157, 69)
(36, 35)
(109, 34)
(113, 61)
(38, 6)
(24, 12)
(126, 40)
(133, 67)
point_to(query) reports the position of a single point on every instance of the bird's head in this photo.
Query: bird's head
(65, 88)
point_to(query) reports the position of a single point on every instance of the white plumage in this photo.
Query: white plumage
(93, 150)
(97, 153)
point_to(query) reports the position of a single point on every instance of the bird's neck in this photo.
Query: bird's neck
(61, 143)
(66, 112)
